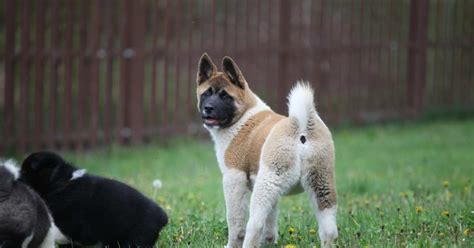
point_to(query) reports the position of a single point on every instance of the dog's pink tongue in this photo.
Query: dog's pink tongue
(212, 121)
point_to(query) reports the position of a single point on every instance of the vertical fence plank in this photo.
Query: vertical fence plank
(391, 83)
(126, 53)
(82, 74)
(177, 78)
(416, 67)
(68, 77)
(110, 123)
(54, 55)
(92, 54)
(24, 75)
(283, 43)
(452, 81)
(349, 55)
(192, 57)
(164, 97)
(39, 73)
(10, 17)
(133, 76)
(400, 101)
(362, 99)
(153, 110)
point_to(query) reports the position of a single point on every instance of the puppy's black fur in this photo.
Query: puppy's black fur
(93, 210)
(22, 213)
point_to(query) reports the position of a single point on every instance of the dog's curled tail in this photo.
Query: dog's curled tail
(301, 106)
(9, 172)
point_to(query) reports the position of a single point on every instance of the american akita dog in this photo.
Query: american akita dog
(270, 154)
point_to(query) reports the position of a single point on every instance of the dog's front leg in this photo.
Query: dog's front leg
(236, 195)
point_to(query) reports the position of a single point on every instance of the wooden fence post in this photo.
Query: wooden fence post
(283, 50)
(132, 75)
(418, 39)
(10, 12)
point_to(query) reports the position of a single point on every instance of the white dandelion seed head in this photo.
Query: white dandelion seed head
(157, 184)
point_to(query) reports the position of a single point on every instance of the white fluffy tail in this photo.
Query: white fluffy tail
(301, 104)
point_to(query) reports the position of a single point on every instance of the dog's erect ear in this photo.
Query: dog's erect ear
(206, 69)
(232, 71)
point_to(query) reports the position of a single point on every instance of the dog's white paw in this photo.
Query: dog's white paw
(270, 236)
(327, 226)
(328, 233)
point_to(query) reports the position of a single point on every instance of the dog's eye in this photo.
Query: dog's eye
(225, 96)
(207, 92)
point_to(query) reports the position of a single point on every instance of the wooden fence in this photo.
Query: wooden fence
(81, 73)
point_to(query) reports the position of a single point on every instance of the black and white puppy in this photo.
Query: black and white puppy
(24, 218)
(92, 210)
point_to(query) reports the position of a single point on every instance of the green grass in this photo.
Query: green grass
(384, 174)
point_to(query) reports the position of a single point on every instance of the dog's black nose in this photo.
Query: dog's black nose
(208, 109)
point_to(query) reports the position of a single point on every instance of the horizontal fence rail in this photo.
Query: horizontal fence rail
(83, 73)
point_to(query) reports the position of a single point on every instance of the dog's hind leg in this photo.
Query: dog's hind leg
(270, 231)
(269, 187)
(279, 170)
(318, 181)
(236, 194)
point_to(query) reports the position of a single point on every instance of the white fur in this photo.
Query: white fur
(268, 189)
(59, 237)
(48, 241)
(327, 225)
(78, 173)
(53, 236)
(326, 218)
(236, 194)
(12, 167)
(27, 241)
(301, 104)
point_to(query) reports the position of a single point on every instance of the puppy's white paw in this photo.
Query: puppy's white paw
(270, 236)
(328, 234)
(327, 226)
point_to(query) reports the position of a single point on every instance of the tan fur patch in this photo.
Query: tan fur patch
(243, 153)
(279, 149)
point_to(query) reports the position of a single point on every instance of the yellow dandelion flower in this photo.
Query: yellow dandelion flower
(450, 195)
(445, 184)
(161, 200)
(418, 209)
(445, 213)
(312, 231)
(291, 230)
(466, 232)
(466, 190)
(290, 246)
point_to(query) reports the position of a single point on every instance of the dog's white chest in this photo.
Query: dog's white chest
(220, 153)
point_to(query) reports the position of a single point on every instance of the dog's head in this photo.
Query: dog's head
(44, 171)
(223, 97)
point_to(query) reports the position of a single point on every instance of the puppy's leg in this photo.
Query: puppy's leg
(269, 187)
(236, 194)
(270, 231)
(318, 181)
